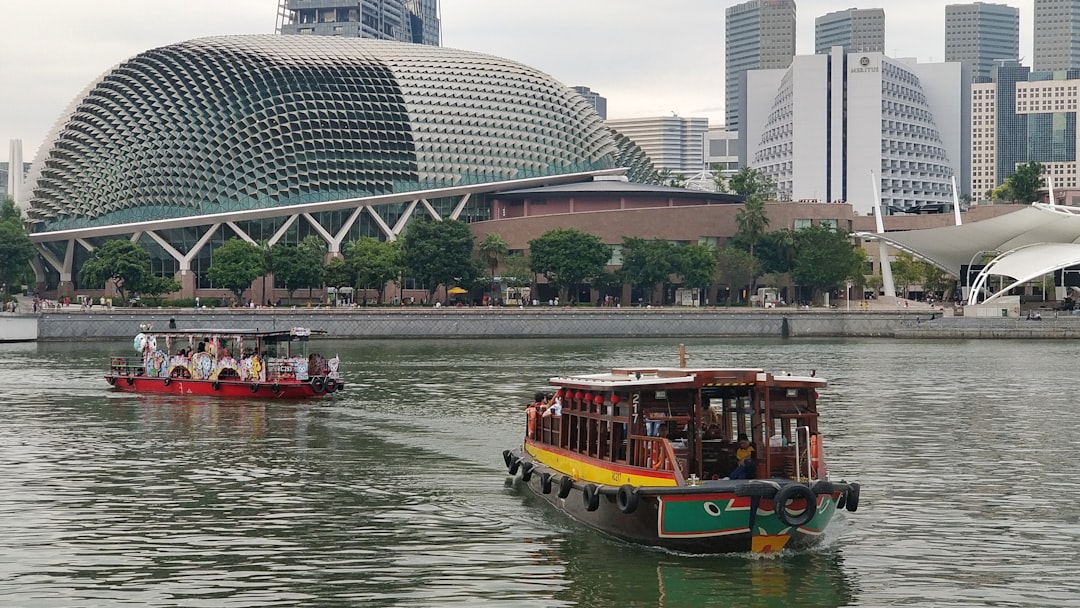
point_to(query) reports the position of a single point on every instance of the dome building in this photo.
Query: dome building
(273, 138)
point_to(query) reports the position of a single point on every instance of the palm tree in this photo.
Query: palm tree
(493, 250)
(752, 220)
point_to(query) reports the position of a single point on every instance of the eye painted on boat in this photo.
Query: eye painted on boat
(712, 509)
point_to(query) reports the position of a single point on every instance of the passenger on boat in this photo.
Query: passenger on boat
(744, 453)
(201, 348)
(554, 407)
(532, 411)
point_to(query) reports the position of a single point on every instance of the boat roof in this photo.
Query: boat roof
(295, 332)
(683, 377)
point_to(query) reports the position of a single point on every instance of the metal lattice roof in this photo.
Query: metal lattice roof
(235, 123)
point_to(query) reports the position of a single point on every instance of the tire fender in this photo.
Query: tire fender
(565, 485)
(317, 385)
(254, 387)
(514, 466)
(590, 498)
(627, 498)
(545, 483)
(168, 381)
(792, 492)
(508, 457)
(526, 471)
(852, 495)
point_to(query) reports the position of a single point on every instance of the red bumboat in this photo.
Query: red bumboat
(269, 364)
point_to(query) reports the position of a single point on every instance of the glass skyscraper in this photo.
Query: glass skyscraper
(979, 33)
(1012, 128)
(414, 21)
(759, 34)
(857, 30)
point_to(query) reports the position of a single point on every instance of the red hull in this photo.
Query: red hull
(217, 388)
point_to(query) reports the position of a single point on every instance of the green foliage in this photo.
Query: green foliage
(906, 271)
(153, 286)
(337, 273)
(826, 259)
(516, 272)
(235, 266)
(1023, 185)
(735, 268)
(647, 263)
(16, 250)
(752, 183)
(720, 181)
(493, 250)
(373, 263)
(439, 253)
(568, 257)
(776, 251)
(751, 222)
(299, 266)
(118, 260)
(696, 265)
(667, 177)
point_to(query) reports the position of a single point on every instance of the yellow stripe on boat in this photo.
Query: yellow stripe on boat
(605, 473)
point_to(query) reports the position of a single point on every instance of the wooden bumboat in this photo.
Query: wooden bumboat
(649, 455)
(227, 363)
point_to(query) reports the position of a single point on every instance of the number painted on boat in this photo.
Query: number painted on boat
(616, 476)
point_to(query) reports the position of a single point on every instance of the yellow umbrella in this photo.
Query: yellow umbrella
(454, 291)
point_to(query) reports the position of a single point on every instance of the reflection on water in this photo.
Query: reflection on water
(394, 493)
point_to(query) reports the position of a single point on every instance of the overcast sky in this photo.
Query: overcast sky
(648, 58)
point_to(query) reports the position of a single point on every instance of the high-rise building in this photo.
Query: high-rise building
(671, 142)
(983, 140)
(759, 35)
(1057, 35)
(1012, 129)
(855, 29)
(414, 21)
(597, 100)
(978, 34)
(822, 127)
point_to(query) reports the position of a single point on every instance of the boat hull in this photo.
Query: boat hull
(235, 388)
(725, 516)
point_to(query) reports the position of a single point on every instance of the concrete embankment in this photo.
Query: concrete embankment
(18, 328)
(542, 322)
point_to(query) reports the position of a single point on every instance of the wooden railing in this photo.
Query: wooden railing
(655, 453)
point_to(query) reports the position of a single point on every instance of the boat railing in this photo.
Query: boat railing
(804, 456)
(656, 453)
(127, 366)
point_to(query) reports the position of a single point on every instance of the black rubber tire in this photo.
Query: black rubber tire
(216, 386)
(823, 487)
(254, 387)
(590, 498)
(761, 490)
(331, 385)
(317, 385)
(168, 381)
(852, 502)
(545, 483)
(627, 498)
(111, 380)
(840, 502)
(514, 466)
(791, 492)
(130, 381)
(565, 485)
(526, 471)
(508, 457)
(275, 388)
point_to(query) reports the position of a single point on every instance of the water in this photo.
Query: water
(395, 494)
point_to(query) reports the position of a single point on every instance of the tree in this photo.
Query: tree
(439, 253)
(826, 259)
(751, 222)
(153, 286)
(16, 250)
(516, 272)
(568, 257)
(735, 268)
(373, 264)
(720, 181)
(299, 266)
(313, 253)
(118, 260)
(1024, 184)
(235, 265)
(267, 264)
(696, 265)
(667, 177)
(752, 183)
(493, 250)
(906, 271)
(337, 273)
(647, 263)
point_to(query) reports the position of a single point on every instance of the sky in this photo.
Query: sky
(644, 56)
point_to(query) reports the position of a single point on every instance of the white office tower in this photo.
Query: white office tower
(671, 142)
(855, 29)
(15, 170)
(979, 34)
(822, 126)
(983, 140)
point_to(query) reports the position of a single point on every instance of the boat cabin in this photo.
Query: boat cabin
(688, 421)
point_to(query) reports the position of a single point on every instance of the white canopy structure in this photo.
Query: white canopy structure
(1027, 244)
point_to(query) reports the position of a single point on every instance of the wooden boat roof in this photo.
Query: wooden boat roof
(683, 378)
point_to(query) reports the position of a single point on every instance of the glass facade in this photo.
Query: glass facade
(979, 34)
(1012, 129)
(759, 35)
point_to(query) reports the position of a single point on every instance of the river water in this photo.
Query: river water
(395, 494)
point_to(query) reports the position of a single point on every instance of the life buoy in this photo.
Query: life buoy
(526, 471)
(659, 460)
(627, 498)
(589, 498)
(331, 385)
(793, 492)
(565, 485)
(545, 483)
(852, 494)
(317, 385)
(254, 387)
(817, 471)
(168, 381)
(514, 466)
(216, 385)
